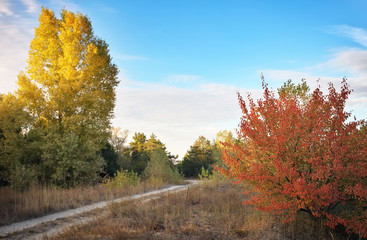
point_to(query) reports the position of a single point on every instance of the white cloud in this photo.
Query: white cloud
(358, 83)
(358, 35)
(16, 33)
(177, 116)
(353, 61)
(32, 6)
(5, 8)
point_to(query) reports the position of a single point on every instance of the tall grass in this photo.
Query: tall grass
(212, 210)
(41, 200)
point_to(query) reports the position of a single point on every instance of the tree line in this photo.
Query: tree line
(136, 155)
(56, 127)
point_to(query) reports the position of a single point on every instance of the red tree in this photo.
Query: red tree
(299, 153)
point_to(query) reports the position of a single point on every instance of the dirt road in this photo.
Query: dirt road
(54, 223)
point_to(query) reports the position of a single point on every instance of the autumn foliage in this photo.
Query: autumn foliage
(55, 125)
(298, 152)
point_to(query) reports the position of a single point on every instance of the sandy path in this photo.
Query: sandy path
(54, 223)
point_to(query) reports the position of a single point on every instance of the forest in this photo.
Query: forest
(295, 152)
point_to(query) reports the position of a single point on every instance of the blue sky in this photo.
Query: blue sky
(182, 62)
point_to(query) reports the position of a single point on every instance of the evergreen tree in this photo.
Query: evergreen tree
(201, 154)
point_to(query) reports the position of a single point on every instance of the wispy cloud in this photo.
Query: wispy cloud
(178, 116)
(5, 8)
(358, 83)
(356, 34)
(353, 61)
(348, 62)
(16, 31)
(32, 6)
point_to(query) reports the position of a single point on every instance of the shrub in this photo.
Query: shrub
(205, 175)
(161, 169)
(22, 177)
(69, 160)
(298, 153)
(123, 178)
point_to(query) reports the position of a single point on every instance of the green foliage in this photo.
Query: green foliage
(205, 175)
(69, 160)
(138, 143)
(201, 154)
(125, 159)
(22, 177)
(139, 154)
(123, 178)
(300, 90)
(154, 143)
(13, 156)
(161, 169)
(139, 161)
(110, 157)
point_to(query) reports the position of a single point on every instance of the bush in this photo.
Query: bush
(22, 177)
(70, 160)
(161, 169)
(123, 178)
(300, 153)
(205, 175)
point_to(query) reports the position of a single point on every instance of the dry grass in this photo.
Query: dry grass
(210, 211)
(41, 200)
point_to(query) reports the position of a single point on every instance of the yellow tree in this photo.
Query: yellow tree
(224, 137)
(69, 89)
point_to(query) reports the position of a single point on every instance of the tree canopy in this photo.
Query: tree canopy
(141, 150)
(70, 78)
(200, 154)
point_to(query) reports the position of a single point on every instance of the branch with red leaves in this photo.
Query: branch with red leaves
(301, 154)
